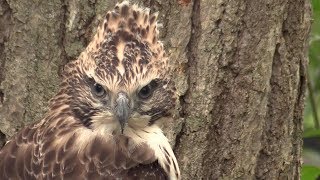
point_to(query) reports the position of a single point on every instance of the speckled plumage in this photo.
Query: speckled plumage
(104, 121)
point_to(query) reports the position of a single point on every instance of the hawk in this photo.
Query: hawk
(105, 120)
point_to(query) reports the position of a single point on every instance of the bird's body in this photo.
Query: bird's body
(104, 121)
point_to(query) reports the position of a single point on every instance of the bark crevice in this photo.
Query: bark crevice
(5, 26)
(2, 139)
(288, 84)
(191, 52)
(264, 153)
(5, 29)
(62, 40)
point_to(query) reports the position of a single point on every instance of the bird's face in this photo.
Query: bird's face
(125, 84)
(115, 107)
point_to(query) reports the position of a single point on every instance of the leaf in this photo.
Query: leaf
(310, 172)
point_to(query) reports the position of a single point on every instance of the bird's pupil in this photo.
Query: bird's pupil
(99, 89)
(145, 91)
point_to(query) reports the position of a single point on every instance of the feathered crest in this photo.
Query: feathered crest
(126, 45)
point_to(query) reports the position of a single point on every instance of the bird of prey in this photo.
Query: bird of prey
(105, 120)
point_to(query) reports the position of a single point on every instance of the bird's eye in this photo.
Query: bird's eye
(99, 90)
(147, 90)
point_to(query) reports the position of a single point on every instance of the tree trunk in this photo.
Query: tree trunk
(240, 66)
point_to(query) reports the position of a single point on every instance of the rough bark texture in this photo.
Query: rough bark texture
(241, 74)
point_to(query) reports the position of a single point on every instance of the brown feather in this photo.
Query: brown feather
(75, 140)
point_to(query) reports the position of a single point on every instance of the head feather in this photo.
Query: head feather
(126, 49)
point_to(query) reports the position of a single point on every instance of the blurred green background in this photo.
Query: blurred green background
(311, 141)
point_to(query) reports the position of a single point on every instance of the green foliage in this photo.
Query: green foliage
(314, 70)
(311, 133)
(312, 172)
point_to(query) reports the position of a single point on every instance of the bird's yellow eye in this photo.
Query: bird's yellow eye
(147, 90)
(99, 90)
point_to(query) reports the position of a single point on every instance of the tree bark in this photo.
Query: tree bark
(240, 73)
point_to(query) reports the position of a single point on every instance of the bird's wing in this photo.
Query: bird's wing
(18, 157)
(57, 152)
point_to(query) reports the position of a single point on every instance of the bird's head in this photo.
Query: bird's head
(122, 79)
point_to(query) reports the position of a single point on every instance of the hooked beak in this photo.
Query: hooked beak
(122, 109)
